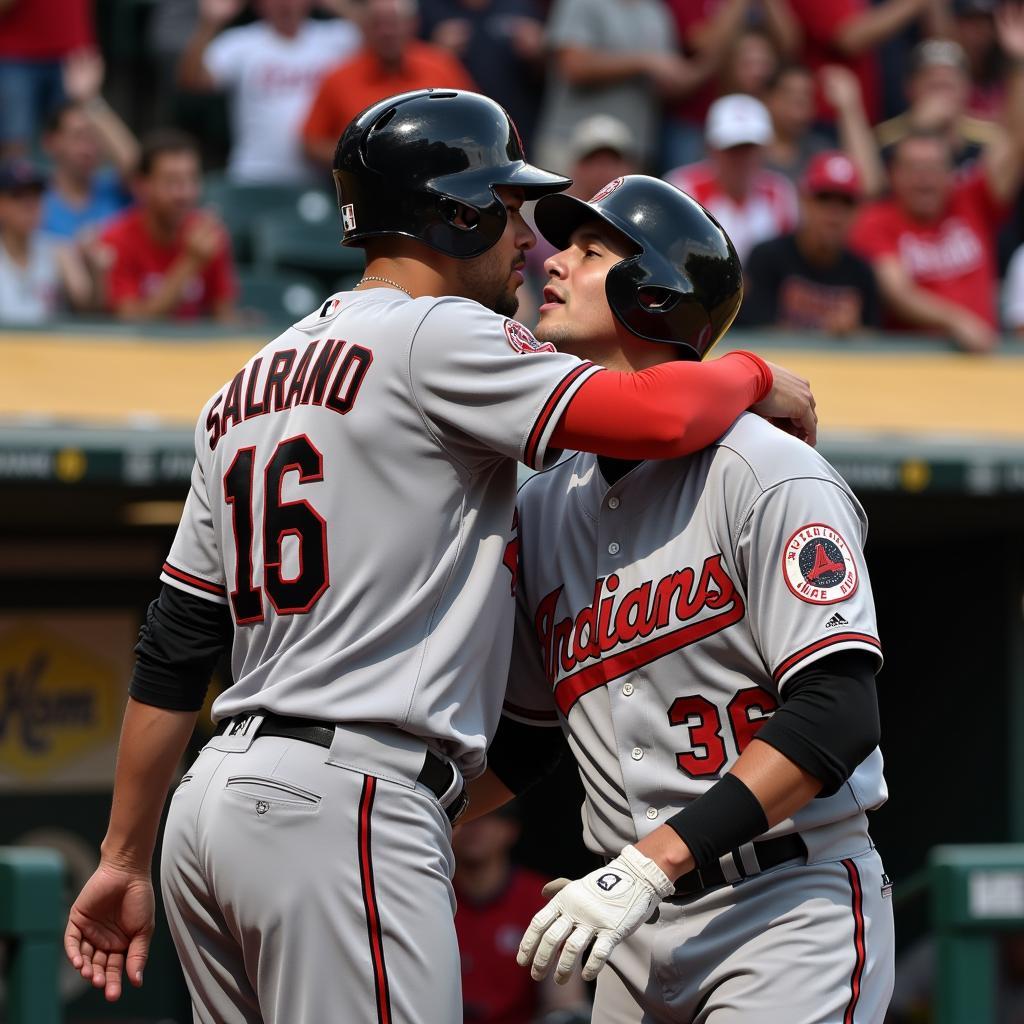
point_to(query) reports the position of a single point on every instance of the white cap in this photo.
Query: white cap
(737, 120)
(602, 131)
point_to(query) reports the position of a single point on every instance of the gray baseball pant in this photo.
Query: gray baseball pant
(310, 886)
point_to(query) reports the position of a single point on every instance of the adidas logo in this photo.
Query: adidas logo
(836, 620)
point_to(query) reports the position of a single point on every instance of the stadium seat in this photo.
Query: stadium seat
(239, 206)
(281, 297)
(306, 237)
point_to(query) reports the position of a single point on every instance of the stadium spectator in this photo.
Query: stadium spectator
(501, 45)
(82, 193)
(169, 27)
(809, 280)
(165, 258)
(707, 30)
(390, 61)
(37, 273)
(36, 36)
(849, 32)
(938, 89)
(496, 902)
(789, 97)
(752, 203)
(790, 100)
(614, 57)
(601, 149)
(271, 70)
(856, 135)
(933, 244)
(974, 29)
(750, 64)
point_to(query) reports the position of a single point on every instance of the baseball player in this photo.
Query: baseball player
(346, 534)
(702, 629)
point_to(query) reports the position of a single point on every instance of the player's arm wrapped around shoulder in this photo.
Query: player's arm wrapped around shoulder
(601, 908)
(664, 411)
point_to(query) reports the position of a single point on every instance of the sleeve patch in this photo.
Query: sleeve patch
(522, 341)
(818, 565)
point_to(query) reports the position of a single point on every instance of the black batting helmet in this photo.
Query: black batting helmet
(683, 284)
(406, 165)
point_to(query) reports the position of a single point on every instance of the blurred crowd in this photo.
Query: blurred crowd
(866, 158)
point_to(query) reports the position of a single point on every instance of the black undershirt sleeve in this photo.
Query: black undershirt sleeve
(522, 755)
(179, 646)
(828, 721)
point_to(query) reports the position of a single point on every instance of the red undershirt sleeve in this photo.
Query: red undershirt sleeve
(663, 412)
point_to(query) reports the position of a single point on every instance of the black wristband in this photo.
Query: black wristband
(722, 819)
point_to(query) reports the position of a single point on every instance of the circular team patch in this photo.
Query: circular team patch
(607, 190)
(818, 565)
(520, 338)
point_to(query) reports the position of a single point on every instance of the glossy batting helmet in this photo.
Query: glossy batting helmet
(683, 284)
(412, 164)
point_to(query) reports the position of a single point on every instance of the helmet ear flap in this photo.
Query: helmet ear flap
(459, 215)
(657, 300)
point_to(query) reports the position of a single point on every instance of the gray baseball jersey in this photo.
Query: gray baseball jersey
(658, 621)
(352, 500)
(662, 616)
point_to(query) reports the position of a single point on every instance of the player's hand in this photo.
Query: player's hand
(602, 907)
(109, 928)
(790, 405)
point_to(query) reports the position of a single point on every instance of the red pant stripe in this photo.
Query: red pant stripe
(380, 971)
(860, 952)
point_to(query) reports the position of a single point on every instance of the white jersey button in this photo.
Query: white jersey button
(613, 502)
(613, 548)
(636, 753)
(652, 812)
(627, 689)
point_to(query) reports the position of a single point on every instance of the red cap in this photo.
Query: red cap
(831, 172)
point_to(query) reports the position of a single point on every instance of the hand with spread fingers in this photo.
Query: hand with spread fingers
(602, 907)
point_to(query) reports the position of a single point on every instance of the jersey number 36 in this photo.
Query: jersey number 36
(747, 712)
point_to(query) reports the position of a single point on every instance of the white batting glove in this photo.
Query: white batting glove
(604, 906)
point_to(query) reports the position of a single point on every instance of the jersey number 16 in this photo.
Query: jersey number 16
(288, 595)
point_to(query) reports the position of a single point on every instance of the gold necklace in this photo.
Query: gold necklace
(383, 280)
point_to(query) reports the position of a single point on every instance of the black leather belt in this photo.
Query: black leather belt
(769, 852)
(437, 774)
